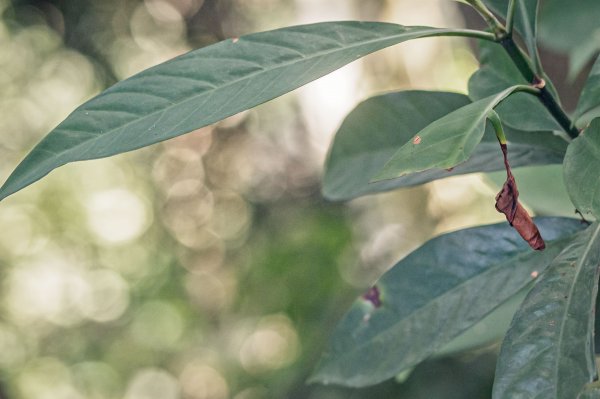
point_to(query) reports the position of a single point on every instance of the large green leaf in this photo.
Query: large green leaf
(525, 19)
(582, 170)
(377, 127)
(445, 143)
(432, 296)
(487, 330)
(571, 27)
(497, 72)
(205, 86)
(588, 106)
(548, 352)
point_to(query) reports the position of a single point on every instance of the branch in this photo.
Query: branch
(522, 63)
(490, 18)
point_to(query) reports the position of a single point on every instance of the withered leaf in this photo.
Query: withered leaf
(507, 202)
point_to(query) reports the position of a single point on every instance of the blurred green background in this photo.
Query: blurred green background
(208, 266)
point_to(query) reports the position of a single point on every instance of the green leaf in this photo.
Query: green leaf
(569, 27)
(548, 351)
(582, 170)
(446, 142)
(488, 330)
(525, 19)
(432, 296)
(205, 86)
(377, 127)
(588, 106)
(497, 72)
(590, 391)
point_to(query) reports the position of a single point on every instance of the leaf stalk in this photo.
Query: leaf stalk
(504, 37)
(493, 22)
(510, 17)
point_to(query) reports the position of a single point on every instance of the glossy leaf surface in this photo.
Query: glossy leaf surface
(581, 169)
(548, 351)
(446, 142)
(497, 72)
(377, 127)
(432, 296)
(588, 106)
(205, 86)
(489, 329)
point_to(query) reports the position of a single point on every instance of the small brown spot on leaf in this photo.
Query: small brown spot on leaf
(417, 140)
(534, 274)
(373, 295)
(449, 169)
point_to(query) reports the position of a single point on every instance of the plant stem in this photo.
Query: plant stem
(510, 17)
(519, 59)
(490, 18)
(475, 34)
(522, 63)
(503, 35)
(497, 125)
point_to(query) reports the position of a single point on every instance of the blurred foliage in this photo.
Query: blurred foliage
(209, 266)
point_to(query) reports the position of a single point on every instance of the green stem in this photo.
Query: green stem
(475, 34)
(503, 35)
(497, 125)
(490, 18)
(510, 17)
(527, 89)
(519, 59)
(522, 63)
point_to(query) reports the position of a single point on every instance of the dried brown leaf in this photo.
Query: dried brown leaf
(507, 202)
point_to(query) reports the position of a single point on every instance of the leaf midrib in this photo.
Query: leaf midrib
(251, 76)
(581, 260)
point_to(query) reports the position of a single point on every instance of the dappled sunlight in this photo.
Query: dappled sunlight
(107, 297)
(207, 266)
(212, 292)
(273, 344)
(462, 201)
(152, 384)
(158, 325)
(117, 216)
(48, 289)
(47, 378)
(12, 346)
(26, 234)
(200, 381)
(64, 293)
(99, 380)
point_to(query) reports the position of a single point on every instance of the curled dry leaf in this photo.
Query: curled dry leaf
(507, 202)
